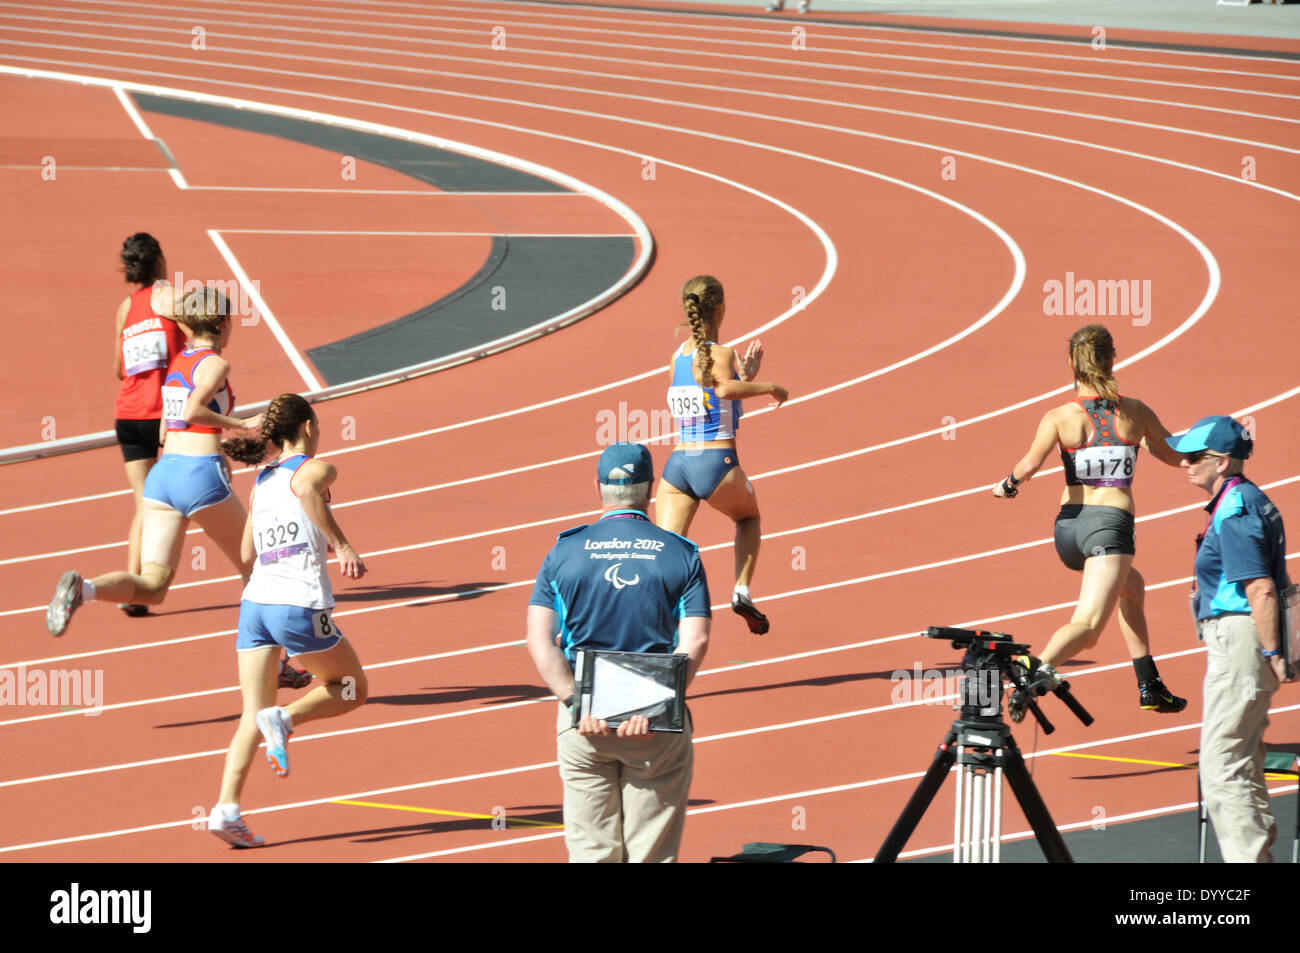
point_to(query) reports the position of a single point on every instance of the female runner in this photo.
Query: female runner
(1098, 436)
(190, 480)
(287, 602)
(148, 337)
(707, 386)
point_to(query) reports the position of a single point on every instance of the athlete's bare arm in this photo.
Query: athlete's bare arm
(1046, 438)
(728, 387)
(1153, 432)
(122, 311)
(310, 483)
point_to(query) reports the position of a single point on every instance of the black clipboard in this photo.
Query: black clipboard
(607, 681)
(1289, 605)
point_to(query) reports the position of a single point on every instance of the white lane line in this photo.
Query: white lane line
(133, 113)
(551, 764)
(1093, 670)
(253, 290)
(677, 48)
(339, 231)
(778, 31)
(768, 75)
(1207, 257)
(602, 298)
(1075, 825)
(815, 792)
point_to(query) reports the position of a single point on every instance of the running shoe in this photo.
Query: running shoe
(291, 677)
(271, 723)
(233, 831)
(132, 609)
(803, 6)
(743, 607)
(775, 5)
(1153, 696)
(67, 597)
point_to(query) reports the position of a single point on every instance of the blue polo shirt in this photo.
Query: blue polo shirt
(1245, 540)
(621, 584)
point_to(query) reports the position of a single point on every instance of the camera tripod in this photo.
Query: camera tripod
(982, 747)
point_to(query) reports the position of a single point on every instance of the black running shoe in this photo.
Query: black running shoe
(67, 597)
(756, 621)
(1153, 696)
(291, 677)
(133, 609)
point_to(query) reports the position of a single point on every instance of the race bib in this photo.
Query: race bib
(322, 625)
(687, 402)
(1105, 466)
(279, 538)
(142, 352)
(173, 399)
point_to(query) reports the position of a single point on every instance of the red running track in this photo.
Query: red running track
(914, 192)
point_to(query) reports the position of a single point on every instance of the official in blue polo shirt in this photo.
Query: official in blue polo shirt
(621, 584)
(1240, 570)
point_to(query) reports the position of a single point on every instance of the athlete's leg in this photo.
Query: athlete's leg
(734, 498)
(1103, 580)
(257, 676)
(224, 524)
(1132, 615)
(160, 553)
(674, 510)
(136, 471)
(342, 685)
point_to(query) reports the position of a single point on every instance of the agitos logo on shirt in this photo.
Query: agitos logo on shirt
(618, 582)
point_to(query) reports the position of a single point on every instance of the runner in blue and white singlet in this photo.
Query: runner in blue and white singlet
(699, 412)
(288, 602)
(291, 549)
(707, 382)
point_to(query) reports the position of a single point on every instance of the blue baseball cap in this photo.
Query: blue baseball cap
(1220, 434)
(624, 463)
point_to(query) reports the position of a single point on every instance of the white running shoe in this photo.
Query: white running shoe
(271, 723)
(232, 830)
(67, 597)
(775, 5)
(803, 6)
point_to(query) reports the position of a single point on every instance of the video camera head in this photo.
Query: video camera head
(998, 644)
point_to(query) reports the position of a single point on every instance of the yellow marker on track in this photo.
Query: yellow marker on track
(520, 821)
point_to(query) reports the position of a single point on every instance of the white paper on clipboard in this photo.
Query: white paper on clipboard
(619, 690)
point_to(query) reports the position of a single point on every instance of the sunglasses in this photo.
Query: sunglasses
(1200, 455)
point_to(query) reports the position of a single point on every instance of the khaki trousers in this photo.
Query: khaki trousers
(1239, 683)
(624, 798)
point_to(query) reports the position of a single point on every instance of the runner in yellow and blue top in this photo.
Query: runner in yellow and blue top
(707, 385)
(1098, 436)
(287, 602)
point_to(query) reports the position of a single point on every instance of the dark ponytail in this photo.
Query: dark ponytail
(282, 421)
(142, 259)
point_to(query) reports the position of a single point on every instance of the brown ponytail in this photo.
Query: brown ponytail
(282, 421)
(701, 297)
(1092, 355)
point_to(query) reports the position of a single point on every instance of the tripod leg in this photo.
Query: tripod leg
(1031, 802)
(921, 798)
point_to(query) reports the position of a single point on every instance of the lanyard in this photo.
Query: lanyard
(1228, 485)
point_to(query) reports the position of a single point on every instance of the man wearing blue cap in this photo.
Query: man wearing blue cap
(1240, 570)
(621, 584)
